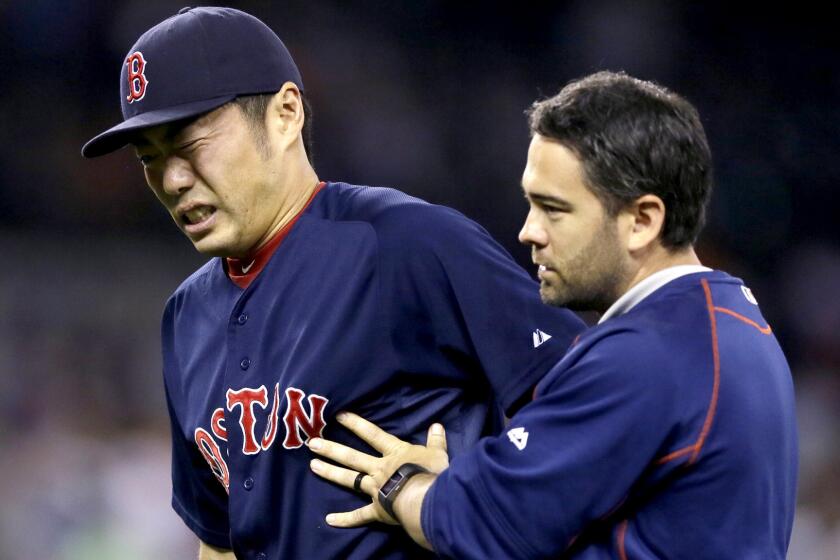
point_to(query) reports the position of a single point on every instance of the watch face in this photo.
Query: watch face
(388, 486)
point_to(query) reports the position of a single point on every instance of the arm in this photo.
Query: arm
(199, 473)
(409, 505)
(581, 446)
(569, 460)
(474, 300)
(207, 552)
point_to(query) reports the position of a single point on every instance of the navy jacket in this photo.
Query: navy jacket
(666, 432)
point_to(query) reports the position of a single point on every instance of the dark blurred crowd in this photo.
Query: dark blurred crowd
(424, 96)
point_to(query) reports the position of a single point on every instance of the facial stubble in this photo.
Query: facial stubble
(593, 278)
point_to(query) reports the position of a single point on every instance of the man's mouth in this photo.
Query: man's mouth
(197, 218)
(544, 272)
(197, 214)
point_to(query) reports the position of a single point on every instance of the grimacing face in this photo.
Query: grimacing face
(213, 179)
(581, 258)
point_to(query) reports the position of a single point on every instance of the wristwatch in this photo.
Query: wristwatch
(396, 482)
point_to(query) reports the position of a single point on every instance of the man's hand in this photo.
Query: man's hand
(377, 470)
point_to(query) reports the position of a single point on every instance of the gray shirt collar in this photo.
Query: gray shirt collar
(647, 286)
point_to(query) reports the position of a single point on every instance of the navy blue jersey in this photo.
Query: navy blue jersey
(404, 312)
(666, 432)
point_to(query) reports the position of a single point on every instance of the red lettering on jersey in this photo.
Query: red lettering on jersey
(296, 419)
(273, 418)
(137, 81)
(213, 455)
(246, 398)
(216, 424)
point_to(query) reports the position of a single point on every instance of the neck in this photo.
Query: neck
(660, 259)
(298, 188)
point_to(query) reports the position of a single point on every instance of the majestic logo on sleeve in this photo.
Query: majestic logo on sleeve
(518, 437)
(137, 80)
(749, 295)
(539, 337)
(300, 425)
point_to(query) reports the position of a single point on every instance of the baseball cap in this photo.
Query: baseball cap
(192, 63)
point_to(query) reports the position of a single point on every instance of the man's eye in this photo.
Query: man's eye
(186, 146)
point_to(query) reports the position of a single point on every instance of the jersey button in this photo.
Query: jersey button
(248, 483)
(261, 556)
(245, 363)
(242, 319)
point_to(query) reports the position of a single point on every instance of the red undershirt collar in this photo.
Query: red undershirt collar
(243, 271)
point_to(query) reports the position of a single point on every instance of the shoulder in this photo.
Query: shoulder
(344, 202)
(693, 289)
(732, 294)
(621, 354)
(199, 282)
(396, 218)
(621, 344)
(657, 344)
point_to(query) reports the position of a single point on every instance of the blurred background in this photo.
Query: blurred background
(424, 96)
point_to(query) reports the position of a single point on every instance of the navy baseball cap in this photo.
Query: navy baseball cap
(192, 63)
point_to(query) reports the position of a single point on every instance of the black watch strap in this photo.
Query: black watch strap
(394, 485)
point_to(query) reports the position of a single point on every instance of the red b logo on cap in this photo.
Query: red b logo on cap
(137, 81)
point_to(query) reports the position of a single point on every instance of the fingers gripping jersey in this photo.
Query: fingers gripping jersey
(404, 312)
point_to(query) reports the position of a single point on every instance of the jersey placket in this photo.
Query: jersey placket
(245, 398)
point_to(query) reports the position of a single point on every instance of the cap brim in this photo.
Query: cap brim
(118, 136)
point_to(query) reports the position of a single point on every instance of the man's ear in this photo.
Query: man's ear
(285, 112)
(646, 216)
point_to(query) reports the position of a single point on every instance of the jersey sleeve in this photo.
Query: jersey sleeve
(197, 496)
(569, 459)
(481, 302)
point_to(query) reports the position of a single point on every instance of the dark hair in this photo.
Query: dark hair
(634, 138)
(253, 107)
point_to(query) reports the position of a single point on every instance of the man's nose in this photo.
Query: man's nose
(178, 175)
(532, 233)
